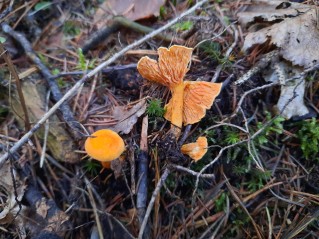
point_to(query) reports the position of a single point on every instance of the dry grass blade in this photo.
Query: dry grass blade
(301, 225)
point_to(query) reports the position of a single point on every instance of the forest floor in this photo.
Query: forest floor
(69, 68)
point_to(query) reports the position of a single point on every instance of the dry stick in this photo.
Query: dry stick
(239, 201)
(55, 90)
(119, 22)
(191, 172)
(143, 29)
(46, 131)
(18, 84)
(150, 205)
(228, 52)
(99, 36)
(104, 71)
(142, 175)
(185, 135)
(249, 92)
(77, 85)
(94, 207)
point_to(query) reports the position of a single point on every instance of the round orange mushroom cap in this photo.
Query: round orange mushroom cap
(196, 150)
(104, 145)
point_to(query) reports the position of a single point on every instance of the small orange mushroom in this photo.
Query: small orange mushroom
(195, 150)
(190, 99)
(104, 145)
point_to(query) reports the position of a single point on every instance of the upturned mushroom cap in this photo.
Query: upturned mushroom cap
(171, 67)
(196, 150)
(198, 97)
(104, 145)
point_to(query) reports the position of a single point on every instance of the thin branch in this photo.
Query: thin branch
(94, 207)
(150, 205)
(46, 131)
(142, 160)
(192, 172)
(249, 92)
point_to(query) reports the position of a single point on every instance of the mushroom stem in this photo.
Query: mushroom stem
(177, 109)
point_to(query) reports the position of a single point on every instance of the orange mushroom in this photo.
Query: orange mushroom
(195, 150)
(190, 99)
(104, 145)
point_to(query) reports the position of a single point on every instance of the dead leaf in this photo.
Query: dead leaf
(269, 11)
(42, 208)
(131, 9)
(127, 116)
(116, 166)
(291, 101)
(9, 206)
(57, 222)
(296, 37)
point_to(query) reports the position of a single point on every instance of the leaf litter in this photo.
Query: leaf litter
(189, 205)
(127, 116)
(296, 38)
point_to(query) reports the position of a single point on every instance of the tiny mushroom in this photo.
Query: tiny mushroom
(104, 145)
(190, 99)
(196, 150)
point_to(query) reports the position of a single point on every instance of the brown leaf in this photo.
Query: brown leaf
(270, 10)
(116, 166)
(131, 9)
(291, 101)
(127, 116)
(296, 37)
(42, 208)
(9, 206)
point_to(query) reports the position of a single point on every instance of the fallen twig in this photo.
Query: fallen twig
(151, 203)
(119, 22)
(99, 36)
(185, 135)
(143, 29)
(142, 173)
(191, 172)
(94, 207)
(106, 70)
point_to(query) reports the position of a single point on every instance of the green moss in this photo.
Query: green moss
(309, 138)
(154, 108)
(70, 28)
(183, 26)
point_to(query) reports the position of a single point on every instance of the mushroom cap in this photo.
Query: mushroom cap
(171, 67)
(198, 97)
(104, 145)
(196, 150)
